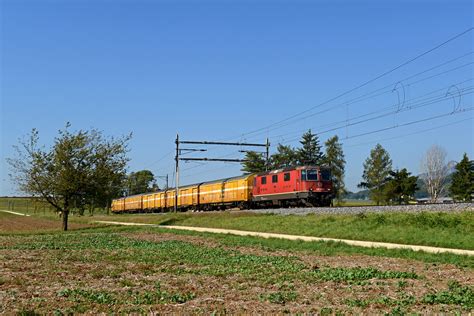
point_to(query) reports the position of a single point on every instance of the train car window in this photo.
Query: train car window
(275, 178)
(312, 175)
(286, 177)
(264, 180)
(303, 175)
(325, 175)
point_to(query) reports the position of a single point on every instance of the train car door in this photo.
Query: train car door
(195, 200)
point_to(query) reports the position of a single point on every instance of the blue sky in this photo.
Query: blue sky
(217, 70)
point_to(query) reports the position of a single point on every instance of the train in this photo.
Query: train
(289, 187)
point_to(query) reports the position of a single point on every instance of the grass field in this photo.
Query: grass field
(450, 230)
(34, 206)
(98, 269)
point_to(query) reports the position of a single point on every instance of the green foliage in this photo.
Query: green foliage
(456, 294)
(400, 186)
(77, 295)
(334, 159)
(357, 274)
(286, 156)
(159, 296)
(462, 185)
(280, 297)
(310, 152)
(142, 181)
(402, 301)
(377, 168)
(254, 162)
(81, 168)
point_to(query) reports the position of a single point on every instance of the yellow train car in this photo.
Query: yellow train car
(169, 198)
(118, 205)
(188, 196)
(152, 201)
(147, 203)
(235, 191)
(238, 189)
(133, 203)
(219, 194)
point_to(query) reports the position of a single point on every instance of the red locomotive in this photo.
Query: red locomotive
(297, 186)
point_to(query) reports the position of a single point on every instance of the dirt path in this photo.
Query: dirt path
(14, 213)
(368, 244)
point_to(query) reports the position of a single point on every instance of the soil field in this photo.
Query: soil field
(146, 270)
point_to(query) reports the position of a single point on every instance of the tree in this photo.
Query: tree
(141, 182)
(284, 157)
(254, 162)
(310, 153)
(334, 159)
(462, 185)
(377, 168)
(77, 168)
(401, 186)
(434, 171)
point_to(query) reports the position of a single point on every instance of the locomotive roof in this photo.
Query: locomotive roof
(289, 169)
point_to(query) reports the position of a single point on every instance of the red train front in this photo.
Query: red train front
(298, 186)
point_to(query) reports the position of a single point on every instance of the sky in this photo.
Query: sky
(239, 71)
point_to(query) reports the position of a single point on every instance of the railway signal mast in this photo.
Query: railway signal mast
(181, 151)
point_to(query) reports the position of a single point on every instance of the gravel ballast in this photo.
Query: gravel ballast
(458, 207)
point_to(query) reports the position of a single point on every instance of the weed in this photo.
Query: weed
(76, 295)
(456, 294)
(357, 303)
(402, 284)
(396, 311)
(357, 274)
(280, 297)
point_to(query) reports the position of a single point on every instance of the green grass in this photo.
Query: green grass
(106, 238)
(25, 205)
(356, 203)
(439, 229)
(329, 248)
(204, 260)
(34, 206)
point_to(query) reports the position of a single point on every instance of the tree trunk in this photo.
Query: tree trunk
(65, 217)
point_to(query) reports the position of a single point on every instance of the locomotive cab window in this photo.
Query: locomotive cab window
(275, 178)
(286, 177)
(309, 175)
(264, 180)
(325, 175)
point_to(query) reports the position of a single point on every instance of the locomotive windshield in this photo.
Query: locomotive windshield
(309, 175)
(325, 175)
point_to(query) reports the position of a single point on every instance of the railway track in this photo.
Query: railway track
(457, 207)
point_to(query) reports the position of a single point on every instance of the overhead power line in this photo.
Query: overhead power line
(409, 134)
(366, 82)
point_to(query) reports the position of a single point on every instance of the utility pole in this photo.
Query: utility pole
(177, 175)
(267, 155)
